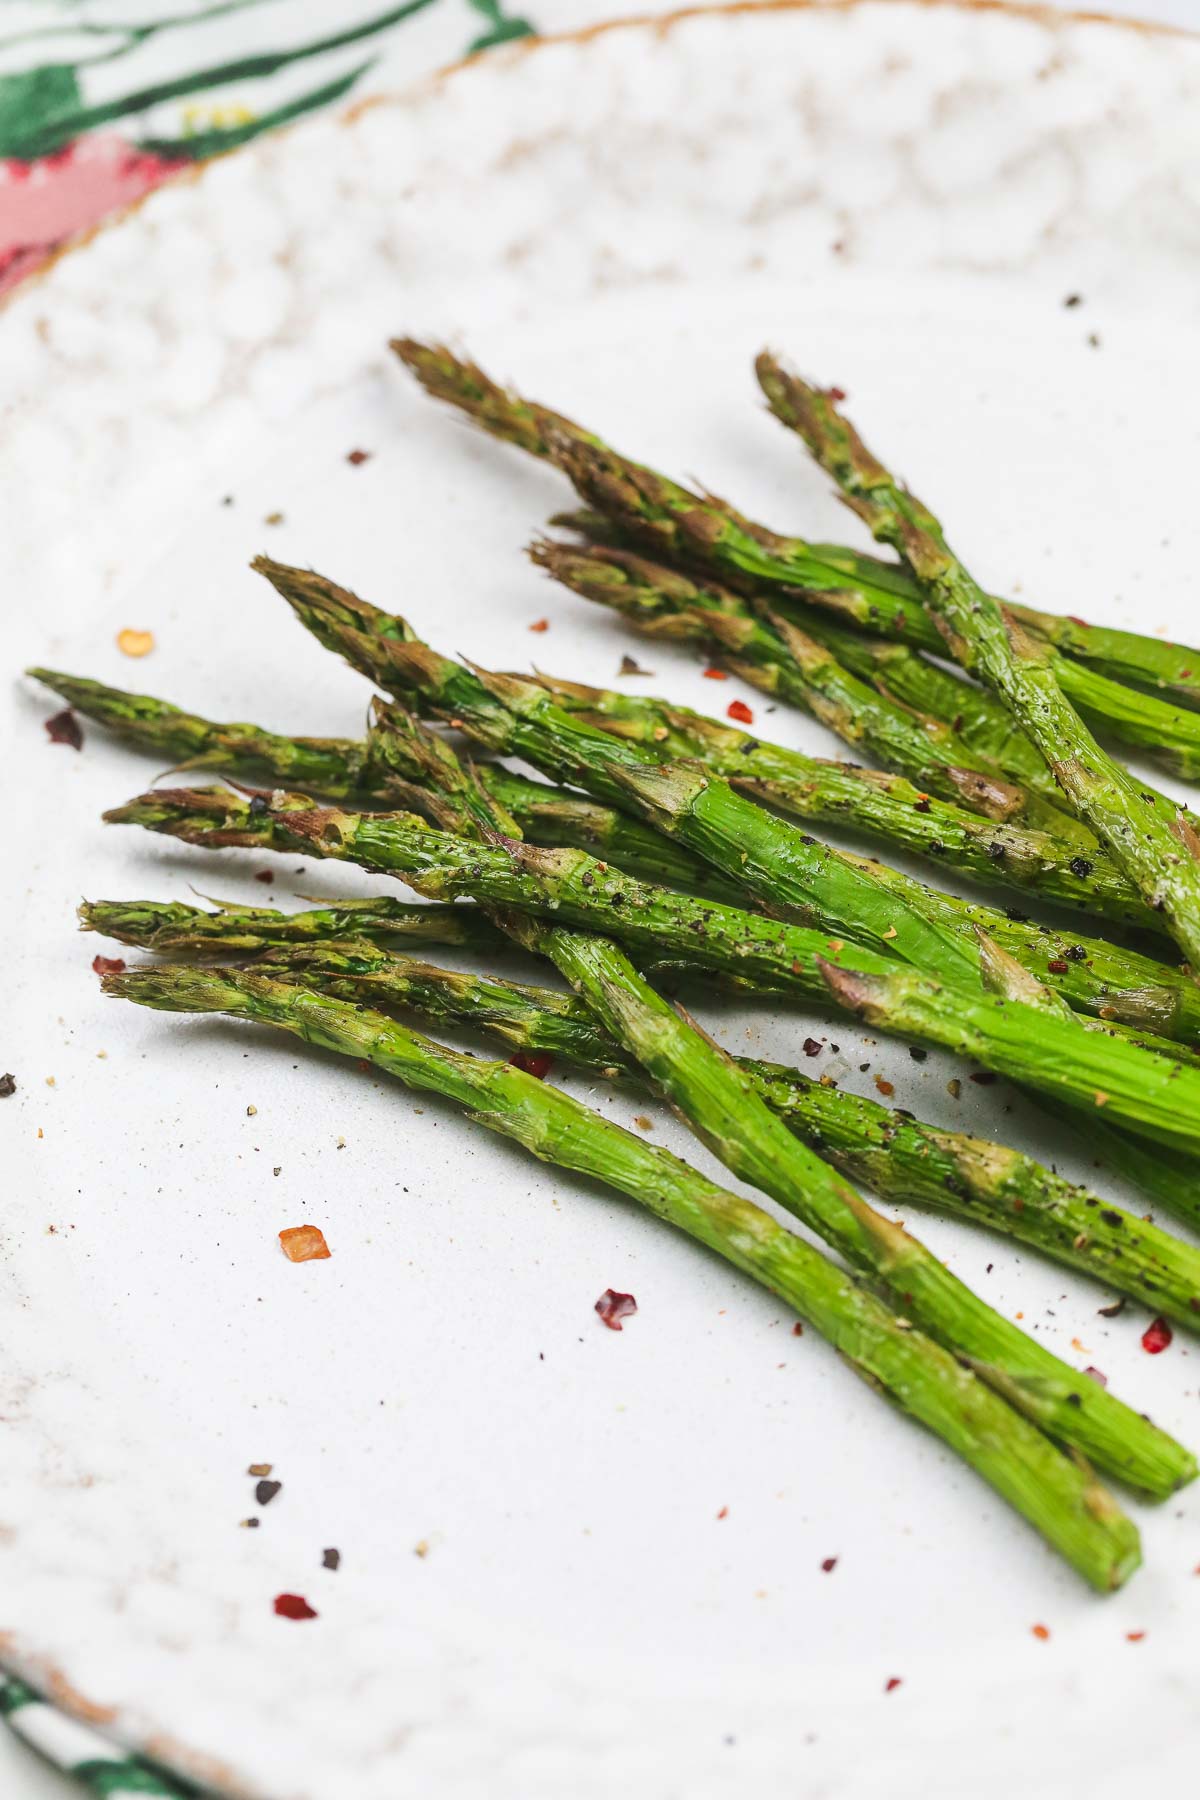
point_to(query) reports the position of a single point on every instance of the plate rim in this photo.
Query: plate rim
(509, 56)
(189, 1758)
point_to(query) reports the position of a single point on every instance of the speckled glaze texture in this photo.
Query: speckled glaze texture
(900, 195)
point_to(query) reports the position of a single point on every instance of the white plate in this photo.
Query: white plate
(900, 197)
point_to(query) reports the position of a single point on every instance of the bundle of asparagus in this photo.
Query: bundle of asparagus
(645, 854)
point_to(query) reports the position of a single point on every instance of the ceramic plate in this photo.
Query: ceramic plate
(541, 1591)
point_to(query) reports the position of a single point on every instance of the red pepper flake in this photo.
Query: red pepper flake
(737, 709)
(8, 1085)
(267, 875)
(293, 1606)
(1058, 966)
(304, 1243)
(886, 1088)
(64, 728)
(540, 625)
(534, 1062)
(1041, 1632)
(1097, 1375)
(891, 1684)
(614, 1307)
(1134, 1637)
(108, 965)
(812, 1047)
(715, 675)
(1156, 1337)
(724, 1513)
(356, 458)
(1082, 623)
(836, 394)
(829, 1565)
(797, 1329)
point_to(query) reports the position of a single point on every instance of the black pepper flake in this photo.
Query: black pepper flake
(917, 1054)
(258, 806)
(984, 1077)
(1076, 953)
(331, 1559)
(1073, 300)
(997, 852)
(8, 1085)
(1079, 865)
(922, 805)
(811, 1048)
(1115, 1310)
(265, 1491)
(1112, 1218)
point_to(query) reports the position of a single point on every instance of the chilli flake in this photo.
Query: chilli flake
(613, 1307)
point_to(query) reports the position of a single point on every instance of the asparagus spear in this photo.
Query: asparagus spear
(1157, 1098)
(862, 902)
(792, 664)
(895, 1154)
(720, 1104)
(164, 925)
(1046, 862)
(1124, 656)
(1150, 837)
(641, 503)
(348, 769)
(321, 764)
(1059, 1497)
(802, 786)
(769, 641)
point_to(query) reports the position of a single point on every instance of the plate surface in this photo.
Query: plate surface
(900, 197)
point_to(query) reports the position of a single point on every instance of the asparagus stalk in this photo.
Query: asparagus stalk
(348, 769)
(1155, 1097)
(898, 1156)
(1151, 838)
(1092, 1069)
(1058, 1496)
(756, 634)
(323, 765)
(862, 902)
(890, 807)
(704, 531)
(166, 925)
(882, 806)
(1123, 656)
(792, 664)
(720, 1104)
